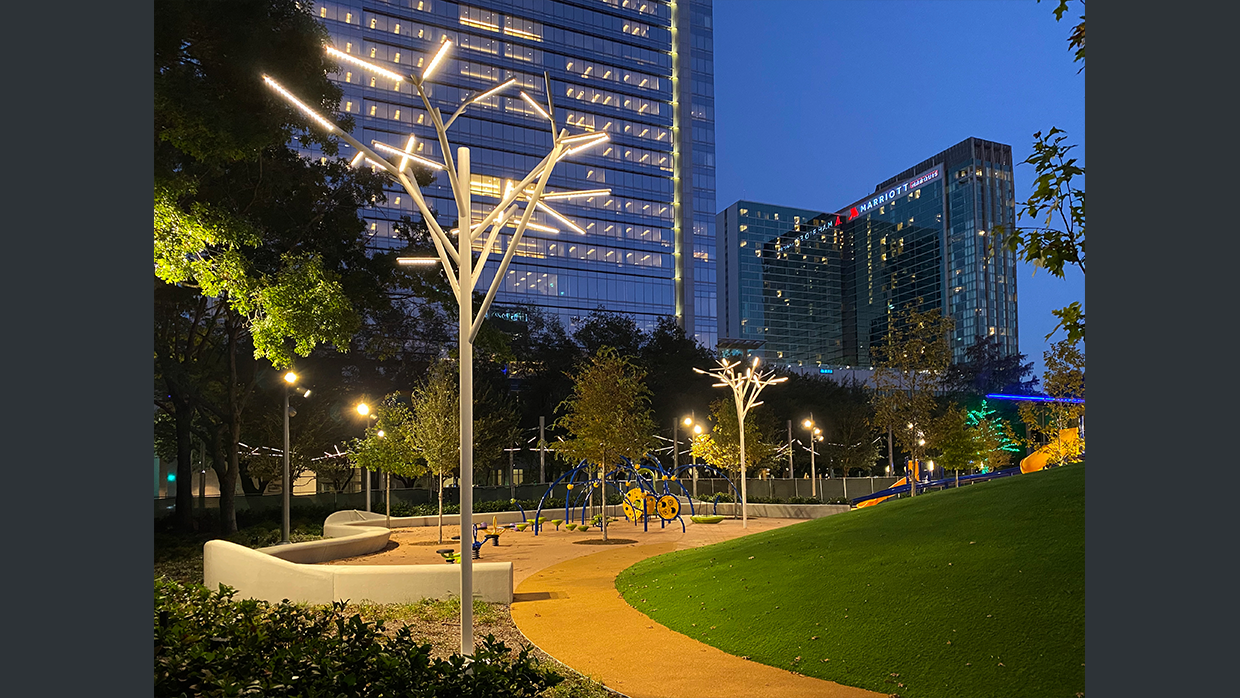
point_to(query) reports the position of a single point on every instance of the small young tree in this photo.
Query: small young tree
(993, 436)
(1064, 378)
(720, 447)
(435, 427)
(910, 367)
(955, 442)
(607, 416)
(389, 444)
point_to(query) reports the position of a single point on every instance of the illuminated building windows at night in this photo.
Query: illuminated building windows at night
(648, 247)
(894, 247)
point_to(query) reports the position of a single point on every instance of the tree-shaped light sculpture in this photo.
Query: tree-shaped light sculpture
(745, 389)
(462, 270)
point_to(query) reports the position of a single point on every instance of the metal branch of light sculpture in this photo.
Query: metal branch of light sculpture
(515, 208)
(745, 390)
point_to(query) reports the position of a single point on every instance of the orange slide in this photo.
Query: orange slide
(897, 483)
(1037, 460)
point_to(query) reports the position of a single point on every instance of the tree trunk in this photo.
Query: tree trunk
(182, 419)
(602, 488)
(441, 509)
(228, 483)
(228, 523)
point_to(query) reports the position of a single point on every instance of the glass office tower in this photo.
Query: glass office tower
(641, 70)
(782, 281)
(971, 191)
(923, 238)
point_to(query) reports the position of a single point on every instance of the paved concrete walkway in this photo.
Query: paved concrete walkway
(574, 613)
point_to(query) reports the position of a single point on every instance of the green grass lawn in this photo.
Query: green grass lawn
(970, 592)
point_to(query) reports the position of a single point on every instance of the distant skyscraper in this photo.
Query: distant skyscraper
(641, 70)
(923, 238)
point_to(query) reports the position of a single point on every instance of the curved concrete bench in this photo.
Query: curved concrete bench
(288, 571)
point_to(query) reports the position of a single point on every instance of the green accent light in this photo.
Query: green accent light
(172, 477)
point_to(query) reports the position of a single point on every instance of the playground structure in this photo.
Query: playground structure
(1065, 442)
(1032, 463)
(641, 502)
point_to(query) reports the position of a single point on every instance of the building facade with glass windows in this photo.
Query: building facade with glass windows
(641, 70)
(923, 238)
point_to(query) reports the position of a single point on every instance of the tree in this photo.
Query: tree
(390, 444)
(603, 328)
(910, 366)
(988, 369)
(956, 443)
(669, 355)
(271, 238)
(435, 427)
(1064, 378)
(993, 436)
(607, 416)
(1056, 203)
(720, 447)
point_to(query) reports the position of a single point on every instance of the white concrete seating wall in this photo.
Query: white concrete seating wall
(287, 571)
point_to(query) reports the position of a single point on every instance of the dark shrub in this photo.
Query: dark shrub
(207, 644)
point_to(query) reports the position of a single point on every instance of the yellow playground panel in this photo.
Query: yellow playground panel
(638, 504)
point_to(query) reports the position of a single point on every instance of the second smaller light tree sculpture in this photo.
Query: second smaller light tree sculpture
(745, 390)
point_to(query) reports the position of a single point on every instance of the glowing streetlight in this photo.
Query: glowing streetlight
(363, 409)
(815, 434)
(745, 390)
(286, 481)
(457, 256)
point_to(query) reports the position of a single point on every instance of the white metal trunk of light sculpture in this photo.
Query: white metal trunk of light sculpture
(745, 389)
(458, 262)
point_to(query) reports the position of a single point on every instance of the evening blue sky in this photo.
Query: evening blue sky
(818, 101)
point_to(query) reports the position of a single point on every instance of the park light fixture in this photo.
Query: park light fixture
(457, 253)
(494, 90)
(443, 51)
(405, 154)
(290, 377)
(745, 390)
(688, 421)
(697, 428)
(575, 194)
(337, 53)
(302, 106)
(414, 261)
(537, 107)
(306, 394)
(381, 434)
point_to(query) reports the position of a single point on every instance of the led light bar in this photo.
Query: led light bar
(575, 194)
(407, 261)
(305, 109)
(494, 90)
(582, 137)
(560, 217)
(337, 53)
(586, 145)
(537, 108)
(443, 50)
(405, 154)
(357, 159)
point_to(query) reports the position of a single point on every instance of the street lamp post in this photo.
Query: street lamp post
(290, 379)
(465, 276)
(364, 410)
(815, 434)
(745, 390)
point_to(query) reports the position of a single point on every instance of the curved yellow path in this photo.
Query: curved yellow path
(574, 613)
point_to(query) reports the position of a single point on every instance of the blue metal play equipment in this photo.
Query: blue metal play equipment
(648, 494)
(942, 483)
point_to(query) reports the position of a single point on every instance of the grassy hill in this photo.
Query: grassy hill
(971, 592)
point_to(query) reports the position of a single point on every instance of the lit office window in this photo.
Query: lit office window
(396, 57)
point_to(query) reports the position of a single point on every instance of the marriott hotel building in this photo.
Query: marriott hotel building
(819, 287)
